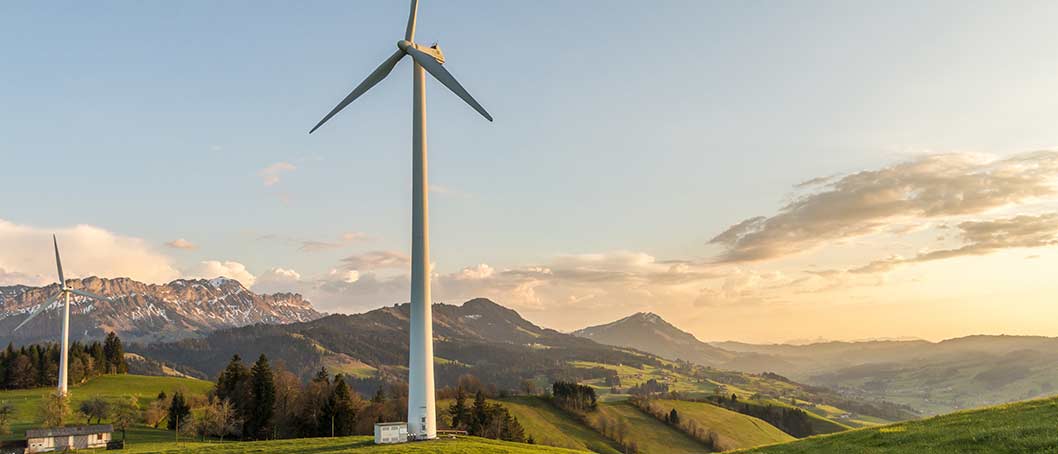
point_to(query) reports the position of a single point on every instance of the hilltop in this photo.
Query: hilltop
(650, 333)
(141, 312)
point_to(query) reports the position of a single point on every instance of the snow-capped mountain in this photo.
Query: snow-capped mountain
(146, 312)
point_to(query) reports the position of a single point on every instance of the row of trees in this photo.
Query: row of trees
(574, 397)
(483, 419)
(37, 365)
(793, 421)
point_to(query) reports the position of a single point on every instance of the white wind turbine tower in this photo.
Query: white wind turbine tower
(64, 292)
(421, 406)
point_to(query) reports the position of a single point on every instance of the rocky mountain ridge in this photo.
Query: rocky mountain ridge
(141, 312)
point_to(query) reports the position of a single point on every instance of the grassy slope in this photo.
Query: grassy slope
(735, 430)
(27, 401)
(650, 435)
(340, 445)
(552, 427)
(1023, 427)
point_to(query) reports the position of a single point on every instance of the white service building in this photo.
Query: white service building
(68, 438)
(391, 432)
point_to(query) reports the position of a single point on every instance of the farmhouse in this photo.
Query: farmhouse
(64, 438)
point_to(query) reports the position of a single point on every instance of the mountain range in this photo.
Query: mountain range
(141, 312)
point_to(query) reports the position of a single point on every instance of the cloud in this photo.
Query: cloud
(181, 243)
(26, 255)
(983, 237)
(376, 260)
(277, 280)
(349, 237)
(317, 246)
(866, 202)
(481, 271)
(229, 269)
(271, 175)
(313, 245)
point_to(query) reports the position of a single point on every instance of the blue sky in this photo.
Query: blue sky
(621, 127)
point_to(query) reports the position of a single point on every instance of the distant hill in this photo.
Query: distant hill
(650, 333)
(933, 377)
(146, 312)
(930, 377)
(1023, 427)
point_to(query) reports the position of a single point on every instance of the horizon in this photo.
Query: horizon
(825, 170)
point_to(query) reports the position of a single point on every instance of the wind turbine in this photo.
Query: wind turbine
(64, 292)
(421, 406)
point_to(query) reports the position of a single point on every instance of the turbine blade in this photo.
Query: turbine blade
(375, 77)
(409, 34)
(434, 67)
(90, 295)
(58, 263)
(37, 311)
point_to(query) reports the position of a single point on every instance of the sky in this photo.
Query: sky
(755, 171)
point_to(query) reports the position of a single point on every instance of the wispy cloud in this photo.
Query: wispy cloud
(866, 202)
(272, 174)
(376, 260)
(181, 243)
(983, 237)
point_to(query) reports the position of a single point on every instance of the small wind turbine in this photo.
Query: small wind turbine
(64, 292)
(421, 405)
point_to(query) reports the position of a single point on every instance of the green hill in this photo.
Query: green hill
(650, 435)
(547, 425)
(27, 401)
(550, 426)
(1023, 427)
(354, 445)
(734, 429)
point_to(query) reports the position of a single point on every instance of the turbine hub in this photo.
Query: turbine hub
(404, 44)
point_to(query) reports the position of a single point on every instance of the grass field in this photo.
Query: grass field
(27, 401)
(650, 435)
(734, 429)
(341, 445)
(1023, 427)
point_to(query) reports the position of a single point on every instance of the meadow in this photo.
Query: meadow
(27, 401)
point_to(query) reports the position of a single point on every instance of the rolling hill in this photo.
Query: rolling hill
(734, 430)
(553, 427)
(1023, 427)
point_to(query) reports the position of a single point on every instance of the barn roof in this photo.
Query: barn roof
(67, 431)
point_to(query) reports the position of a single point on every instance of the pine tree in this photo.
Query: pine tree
(458, 410)
(114, 354)
(179, 411)
(343, 408)
(480, 416)
(263, 399)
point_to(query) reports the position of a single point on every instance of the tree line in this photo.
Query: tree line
(37, 365)
(266, 401)
(483, 419)
(793, 421)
